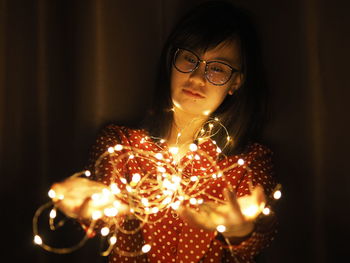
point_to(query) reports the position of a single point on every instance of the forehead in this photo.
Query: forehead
(228, 51)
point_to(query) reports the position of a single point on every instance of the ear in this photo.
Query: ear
(236, 84)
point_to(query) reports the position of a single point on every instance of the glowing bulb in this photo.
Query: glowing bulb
(118, 147)
(240, 161)
(193, 201)
(123, 180)
(159, 156)
(211, 125)
(219, 174)
(216, 118)
(251, 211)
(52, 193)
(197, 157)
(111, 150)
(146, 248)
(174, 150)
(200, 201)
(155, 210)
(136, 177)
(221, 228)
(194, 178)
(176, 179)
(106, 192)
(131, 156)
(277, 194)
(144, 201)
(161, 169)
(87, 173)
(193, 147)
(113, 240)
(95, 197)
(116, 204)
(175, 205)
(128, 188)
(228, 138)
(218, 150)
(104, 231)
(166, 200)
(38, 240)
(266, 211)
(110, 212)
(96, 215)
(53, 213)
(162, 141)
(114, 188)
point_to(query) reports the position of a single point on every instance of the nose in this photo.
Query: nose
(198, 75)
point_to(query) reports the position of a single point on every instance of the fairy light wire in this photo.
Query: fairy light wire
(168, 185)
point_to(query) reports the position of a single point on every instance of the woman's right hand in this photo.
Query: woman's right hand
(85, 199)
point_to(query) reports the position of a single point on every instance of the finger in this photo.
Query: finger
(250, 186)
(84, 209)
(196, 219)
(231, 197)
(260, 195)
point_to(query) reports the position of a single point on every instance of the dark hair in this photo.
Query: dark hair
(203, 28)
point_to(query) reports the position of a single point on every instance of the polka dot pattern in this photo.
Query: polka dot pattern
(172, 239)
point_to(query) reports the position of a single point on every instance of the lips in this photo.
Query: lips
(193, 94)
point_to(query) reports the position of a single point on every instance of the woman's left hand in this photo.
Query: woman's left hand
(234, 218)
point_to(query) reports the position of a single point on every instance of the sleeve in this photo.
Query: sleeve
(259, 171)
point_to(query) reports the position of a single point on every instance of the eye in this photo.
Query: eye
(190, 58)
(216, 68)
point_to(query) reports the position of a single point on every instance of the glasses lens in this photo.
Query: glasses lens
(185, 61)
(218, 73)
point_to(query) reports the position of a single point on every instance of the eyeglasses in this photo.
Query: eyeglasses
(216, 72)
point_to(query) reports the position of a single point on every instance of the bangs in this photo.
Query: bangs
(205, 36)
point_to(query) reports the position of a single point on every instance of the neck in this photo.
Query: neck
(184, 127)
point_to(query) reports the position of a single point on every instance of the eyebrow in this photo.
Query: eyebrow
(232, 63)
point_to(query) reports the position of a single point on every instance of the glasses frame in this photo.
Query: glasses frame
(199, 60)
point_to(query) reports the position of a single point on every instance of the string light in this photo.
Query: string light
(146, 248)
(167, 185)
(277, 194)
(221, 228)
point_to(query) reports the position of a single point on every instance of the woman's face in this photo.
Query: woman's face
(194, 94)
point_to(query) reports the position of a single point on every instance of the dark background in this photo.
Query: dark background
(68, 67)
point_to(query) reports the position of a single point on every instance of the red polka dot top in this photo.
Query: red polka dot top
(170, 238)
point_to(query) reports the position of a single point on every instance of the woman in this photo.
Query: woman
(202, 131)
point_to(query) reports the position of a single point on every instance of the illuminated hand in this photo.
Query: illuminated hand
(86, 199)
(234, 218)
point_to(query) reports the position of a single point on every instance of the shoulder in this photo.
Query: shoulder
(257, 152)
(258, 149)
